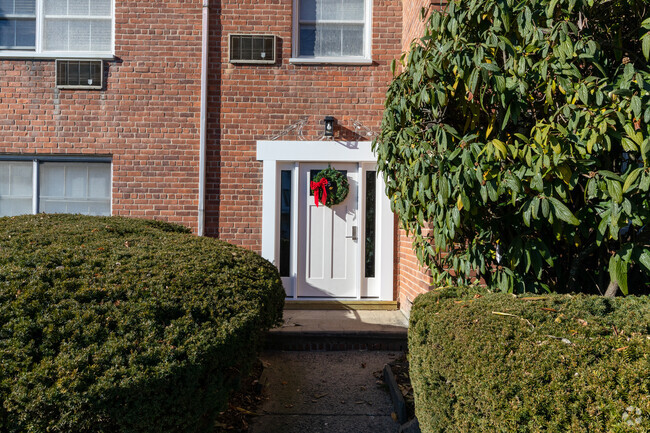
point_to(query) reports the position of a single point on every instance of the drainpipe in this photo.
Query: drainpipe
(203, 121)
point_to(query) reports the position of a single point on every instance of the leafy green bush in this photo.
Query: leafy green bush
(517, 141)
(550, 364)
(123, 325)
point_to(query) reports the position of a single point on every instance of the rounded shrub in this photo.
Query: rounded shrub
(515, 144)
(124, 325)
(553, 364)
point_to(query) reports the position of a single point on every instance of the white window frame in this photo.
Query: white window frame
(37, 53)
(366, 59)
(37, 160)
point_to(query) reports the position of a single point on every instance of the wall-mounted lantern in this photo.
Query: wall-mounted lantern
(329, 126)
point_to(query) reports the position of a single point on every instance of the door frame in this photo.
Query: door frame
(277, 156)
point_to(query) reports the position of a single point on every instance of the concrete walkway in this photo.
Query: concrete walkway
(323, 392)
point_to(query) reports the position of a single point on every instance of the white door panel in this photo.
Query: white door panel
(328, 240)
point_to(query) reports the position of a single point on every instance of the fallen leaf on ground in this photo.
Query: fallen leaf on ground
(394, 416)
(317, 396)
(242, 410)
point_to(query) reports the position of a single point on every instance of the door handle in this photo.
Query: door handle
(354, 236)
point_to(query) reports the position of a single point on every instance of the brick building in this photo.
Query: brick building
(212, 114)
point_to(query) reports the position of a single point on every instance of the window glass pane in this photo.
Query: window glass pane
(99, 182)
(26, 33)
(353, 10)
(352, 41)
(76, 179)
(100, 35)
(328, 40)
(21, 179)
(285, 223)
(308, 10)
(371, 212)
(55, 35)
(307, 40)
(79, 35)
(56, 7)
(78, 7)
(18, 33)
(340, 10)
(100, 7)
(99, 208)
(49, 205)
(52, 180)
(8, 33)
(6, 7)
(15, 188)
(27, 7)
(333, 10)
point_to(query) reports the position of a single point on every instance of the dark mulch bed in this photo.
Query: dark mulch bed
(243, 405)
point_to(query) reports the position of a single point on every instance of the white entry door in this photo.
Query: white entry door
(328, 249)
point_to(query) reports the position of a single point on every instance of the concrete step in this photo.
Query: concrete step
(326, 330)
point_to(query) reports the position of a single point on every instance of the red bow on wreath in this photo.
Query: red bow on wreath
(317, 187)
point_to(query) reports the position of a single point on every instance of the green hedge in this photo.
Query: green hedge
(123, 325)
(558, 363)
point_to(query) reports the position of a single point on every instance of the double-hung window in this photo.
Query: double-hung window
(55, 185)
(332, 31)
(56, 28)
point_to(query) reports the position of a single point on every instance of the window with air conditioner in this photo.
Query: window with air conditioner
(332, 31)
(56, 28)
(55, 185)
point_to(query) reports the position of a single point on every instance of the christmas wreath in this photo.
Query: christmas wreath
(330, 187)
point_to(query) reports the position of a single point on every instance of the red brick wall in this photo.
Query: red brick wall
(410, 279)
(253, 102)
(147, 117)
(412, 23)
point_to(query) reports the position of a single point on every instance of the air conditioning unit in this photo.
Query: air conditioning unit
(79, 74)
(252, 48)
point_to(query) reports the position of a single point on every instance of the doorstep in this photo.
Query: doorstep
(340, 330)
(340, 305)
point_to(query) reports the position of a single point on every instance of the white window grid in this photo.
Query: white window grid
(38, 52)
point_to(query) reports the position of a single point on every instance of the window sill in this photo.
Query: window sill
(359, 61)
(7, 54)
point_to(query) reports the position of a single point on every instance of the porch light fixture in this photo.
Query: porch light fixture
(329, 126)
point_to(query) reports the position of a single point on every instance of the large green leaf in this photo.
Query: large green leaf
(563, 212)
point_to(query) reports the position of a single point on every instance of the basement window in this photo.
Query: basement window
(55, 185)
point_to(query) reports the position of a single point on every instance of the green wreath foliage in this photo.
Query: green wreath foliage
(517, 141)
(338, 186)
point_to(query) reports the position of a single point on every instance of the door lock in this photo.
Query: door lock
(354, 236)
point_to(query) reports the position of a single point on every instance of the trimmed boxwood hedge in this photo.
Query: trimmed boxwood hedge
(123, 325)
(558, 363)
